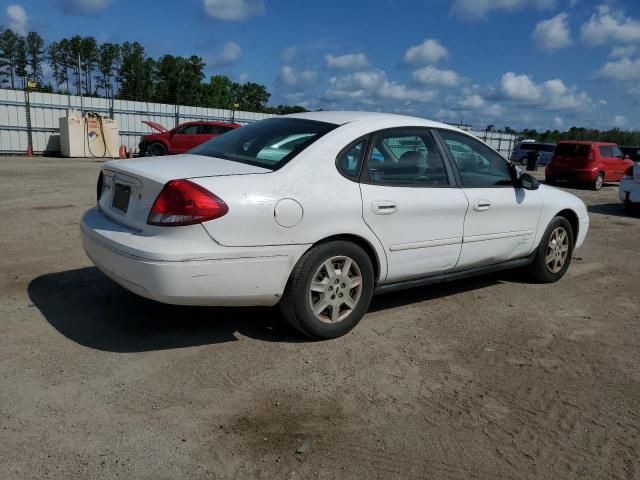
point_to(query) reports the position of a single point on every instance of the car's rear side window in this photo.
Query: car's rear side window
(269, 143)
(605, 151)
(405, 157)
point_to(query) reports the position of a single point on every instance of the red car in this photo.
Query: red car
(182, 138)
(588, 163)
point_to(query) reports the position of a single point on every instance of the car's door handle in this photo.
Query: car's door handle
(384, 207)
(481, 205)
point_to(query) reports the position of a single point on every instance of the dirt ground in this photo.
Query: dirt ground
(491, 378)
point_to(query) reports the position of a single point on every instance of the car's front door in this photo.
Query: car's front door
(502, 220)
(411, 203)
(184, 138)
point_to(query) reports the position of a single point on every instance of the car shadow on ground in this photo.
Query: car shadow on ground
(88, 308)
(612, 209)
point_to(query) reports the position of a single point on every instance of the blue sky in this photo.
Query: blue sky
(523, 63)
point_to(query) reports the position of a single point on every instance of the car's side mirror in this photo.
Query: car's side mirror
(521, 179)
(529, 182)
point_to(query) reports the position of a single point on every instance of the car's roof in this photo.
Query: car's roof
(341, 118)
(211, 122)
(587, 142)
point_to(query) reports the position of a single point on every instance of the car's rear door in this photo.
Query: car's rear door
(412, 204)
(502, 220)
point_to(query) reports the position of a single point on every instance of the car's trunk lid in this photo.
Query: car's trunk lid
(131, 186)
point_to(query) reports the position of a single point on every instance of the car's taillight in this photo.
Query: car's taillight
(182, 202)
(629, 172)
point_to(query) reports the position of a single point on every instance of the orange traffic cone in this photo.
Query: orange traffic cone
(122, 153)
(29, 151)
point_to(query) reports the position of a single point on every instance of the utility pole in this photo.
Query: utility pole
(80, 86)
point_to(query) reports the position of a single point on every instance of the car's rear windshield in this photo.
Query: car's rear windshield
(572, 150)
(269, 143)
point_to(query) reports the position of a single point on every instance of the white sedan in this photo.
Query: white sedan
(630, 187)
(318, 211)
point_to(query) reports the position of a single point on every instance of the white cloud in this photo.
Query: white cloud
(550, 95)
(606, 25)
(429, 51)
(369, 87)
(288, 55)
(553, 34)
(472, 102)
(558, 122)
(619, 121)
(230, 54)
(352, 61)
(244, 77)
(519, 88)
(84, 7)
(623, 52)
(478, 9)
(624, 69)
(293, 78)
(233, 10)
(18, 19)
(434, 76)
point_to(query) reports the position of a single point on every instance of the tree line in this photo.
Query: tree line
(82, 65)
(615, 135)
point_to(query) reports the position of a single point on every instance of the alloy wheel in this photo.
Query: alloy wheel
(335, 289)
(557, 250)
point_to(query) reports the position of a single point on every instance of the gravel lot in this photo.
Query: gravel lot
(489, 378)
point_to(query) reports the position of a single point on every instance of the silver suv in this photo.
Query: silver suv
(522, 150)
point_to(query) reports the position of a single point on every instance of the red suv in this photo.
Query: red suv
(588, 163)
(182, 138)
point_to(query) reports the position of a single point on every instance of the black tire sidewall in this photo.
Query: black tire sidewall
(540, 268)
(594, 185)
(156, 145)
(318, 255)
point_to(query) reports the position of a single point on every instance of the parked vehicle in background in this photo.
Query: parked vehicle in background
(521, 152)
(630, 187)
(182, 138)
(317, 211)
(632, 152)
(586, 163)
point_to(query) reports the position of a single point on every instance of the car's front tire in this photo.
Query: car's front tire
(329, 290)
(156, 149)
(553, 255)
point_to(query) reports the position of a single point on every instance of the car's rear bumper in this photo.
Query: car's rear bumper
(578, 175)
(629, 191)
(222, 276)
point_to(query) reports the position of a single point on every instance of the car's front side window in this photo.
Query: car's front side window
(406, 158)
(478, 165)
(187, 130)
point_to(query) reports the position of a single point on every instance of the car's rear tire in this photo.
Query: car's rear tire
(156, 149)
(329, 290)
(553, 255)
(598, 182)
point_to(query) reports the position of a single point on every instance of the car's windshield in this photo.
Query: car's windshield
(269, 144)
